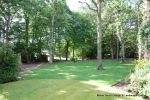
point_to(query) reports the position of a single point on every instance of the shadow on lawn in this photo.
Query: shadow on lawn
(114, 71)
(53, 90)
(52, 82)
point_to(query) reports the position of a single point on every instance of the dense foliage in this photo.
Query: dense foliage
(8, 64)
(39, 28)
(140, 78)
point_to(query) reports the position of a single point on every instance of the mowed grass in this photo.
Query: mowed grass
(69, 81)
(113, 71)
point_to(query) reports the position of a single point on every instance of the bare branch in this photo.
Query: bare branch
(89, 7)
(94, 3)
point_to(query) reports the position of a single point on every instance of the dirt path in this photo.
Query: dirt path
(27, 67)
(122, 85)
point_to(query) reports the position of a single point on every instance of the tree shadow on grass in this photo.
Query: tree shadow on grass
(114, 71)
(61, 89)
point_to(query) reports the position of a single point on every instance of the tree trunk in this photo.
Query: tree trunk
(19, 59)
(67, 51)
(51, 40)
(27, 37)
(139, 36)
(145, 19)
(59, 45)
(7, 29)
(73, 52)
(59, 51)
(146, 53)
(122, 46)
(60, 57)
(122, 52)
(112, 53)
(8, 24)
(1, 37)
(82, 54)
(117, 49)
(99, 36)
(113, 46)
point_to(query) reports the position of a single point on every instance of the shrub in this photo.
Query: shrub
(8, 64)
(140, 63)
(140, 79)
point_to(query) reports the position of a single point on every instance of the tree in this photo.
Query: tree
(123, 21)
(139, 35)
(146, 19)
(97, 8)
(8, 11)
(99, 35)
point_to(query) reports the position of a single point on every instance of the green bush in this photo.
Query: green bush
(140, 79)
(8, 64)
(140, 63)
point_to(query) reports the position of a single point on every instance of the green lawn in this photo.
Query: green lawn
(114, 71)
(68, 81)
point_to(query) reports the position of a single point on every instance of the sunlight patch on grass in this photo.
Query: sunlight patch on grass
(93, 76)
(103, 87)
(63, 73)
(61, 92)
(70, 76)
(2, 97)
(68, 81)
(31, 74)
(86, 70)
(30, 71)
(51, 70)
(128, 64)
(57, 89)
(111, 90)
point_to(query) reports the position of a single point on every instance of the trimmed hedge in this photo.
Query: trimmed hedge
(9, 69)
